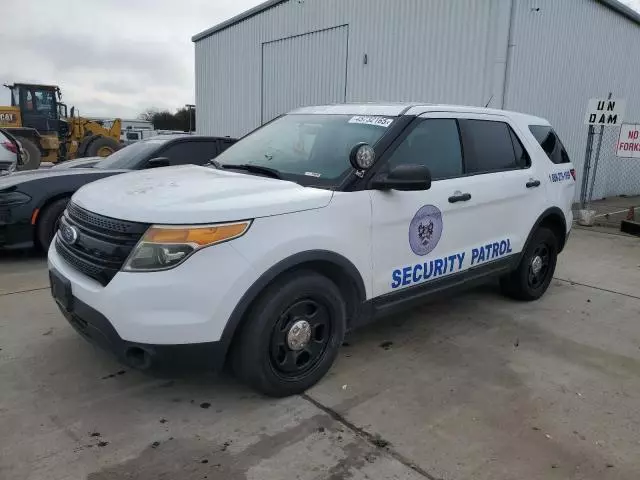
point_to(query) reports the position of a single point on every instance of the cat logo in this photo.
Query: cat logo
(7, 117)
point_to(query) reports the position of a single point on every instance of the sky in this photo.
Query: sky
(111, 58)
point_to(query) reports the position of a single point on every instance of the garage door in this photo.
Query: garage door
(304, 70)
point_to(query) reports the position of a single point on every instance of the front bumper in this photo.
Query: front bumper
(96, 328)
(16, 230)
(187, 305)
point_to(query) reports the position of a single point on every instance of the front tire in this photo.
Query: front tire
(291, 336)
(48, 222)
(535, 271)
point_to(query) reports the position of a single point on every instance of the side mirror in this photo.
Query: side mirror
(158, 162)
(406, 178)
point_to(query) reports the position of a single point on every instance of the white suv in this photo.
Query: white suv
(318, 222)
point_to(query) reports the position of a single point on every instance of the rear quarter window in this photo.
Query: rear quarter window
(491, 146)
(550, 143)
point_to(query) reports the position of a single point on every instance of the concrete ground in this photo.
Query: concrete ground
(474, 387)
(611, 211)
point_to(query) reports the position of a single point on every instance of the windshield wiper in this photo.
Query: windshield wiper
(270, 172)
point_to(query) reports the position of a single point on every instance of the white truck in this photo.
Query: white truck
(316, 223)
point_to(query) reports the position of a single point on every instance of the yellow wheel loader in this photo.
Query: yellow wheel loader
(47, 133)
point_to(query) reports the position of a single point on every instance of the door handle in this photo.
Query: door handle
(533, 183)
(461, 197)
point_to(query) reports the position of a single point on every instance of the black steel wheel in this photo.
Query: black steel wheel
(300, 338)
(291, 335)
(539, 266)
(535, 270)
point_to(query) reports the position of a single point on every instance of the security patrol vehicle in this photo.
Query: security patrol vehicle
(316, 223)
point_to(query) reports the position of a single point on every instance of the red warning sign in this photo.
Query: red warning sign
(628, 145)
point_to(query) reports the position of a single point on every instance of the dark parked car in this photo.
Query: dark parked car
(85, 162)
(31, 202)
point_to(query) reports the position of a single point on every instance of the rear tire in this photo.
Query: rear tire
(102, 147)
(31, 156)
(535, 271)
(48, 220)
(291, 335)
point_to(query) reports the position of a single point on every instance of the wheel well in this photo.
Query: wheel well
(42, 208)
(341, 272)
(556, 224)
(341, 278)
(333, 272)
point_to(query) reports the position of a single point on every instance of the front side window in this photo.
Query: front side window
(194, 152)
(45, 103)
(311, 149)
(489, 146)
(434, 143)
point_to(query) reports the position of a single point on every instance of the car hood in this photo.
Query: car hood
(17, 178)
(191, 195)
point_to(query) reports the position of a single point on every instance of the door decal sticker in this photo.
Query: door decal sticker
(425, 230)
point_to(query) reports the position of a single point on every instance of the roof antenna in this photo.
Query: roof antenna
(489, 102)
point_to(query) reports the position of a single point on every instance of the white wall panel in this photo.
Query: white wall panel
(439, 51)
(560, 53)
(565, 52)
(304, 70)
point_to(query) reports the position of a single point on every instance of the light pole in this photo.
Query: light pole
(190, 107)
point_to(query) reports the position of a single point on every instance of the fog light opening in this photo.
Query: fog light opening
(138, 358)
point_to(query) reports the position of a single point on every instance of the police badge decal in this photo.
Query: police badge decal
(425, 230)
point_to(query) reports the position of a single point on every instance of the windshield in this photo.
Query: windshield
(130, 156)
(315, 147)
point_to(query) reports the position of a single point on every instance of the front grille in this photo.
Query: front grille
(102, 244)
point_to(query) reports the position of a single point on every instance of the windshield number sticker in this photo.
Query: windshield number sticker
(370, 120)
(313, 174)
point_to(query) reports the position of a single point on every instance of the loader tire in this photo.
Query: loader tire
(102, 147)
(31, 156)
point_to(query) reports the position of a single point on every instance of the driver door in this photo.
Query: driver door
(423, 236)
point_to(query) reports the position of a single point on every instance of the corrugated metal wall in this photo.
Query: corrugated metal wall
(440, 51)
(565, 52)
(428, 51)
(316, 62)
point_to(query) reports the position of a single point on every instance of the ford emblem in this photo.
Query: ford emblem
(68, 233)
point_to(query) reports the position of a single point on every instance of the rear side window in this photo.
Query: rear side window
(191, 152)
(550, 143)
(491, 146)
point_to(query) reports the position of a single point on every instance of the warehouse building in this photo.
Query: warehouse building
(543, 57)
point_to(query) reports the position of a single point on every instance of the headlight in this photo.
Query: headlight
(166, 246)
(14, 198)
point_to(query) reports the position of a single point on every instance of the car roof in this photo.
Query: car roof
(176, 136)
(397, 109)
